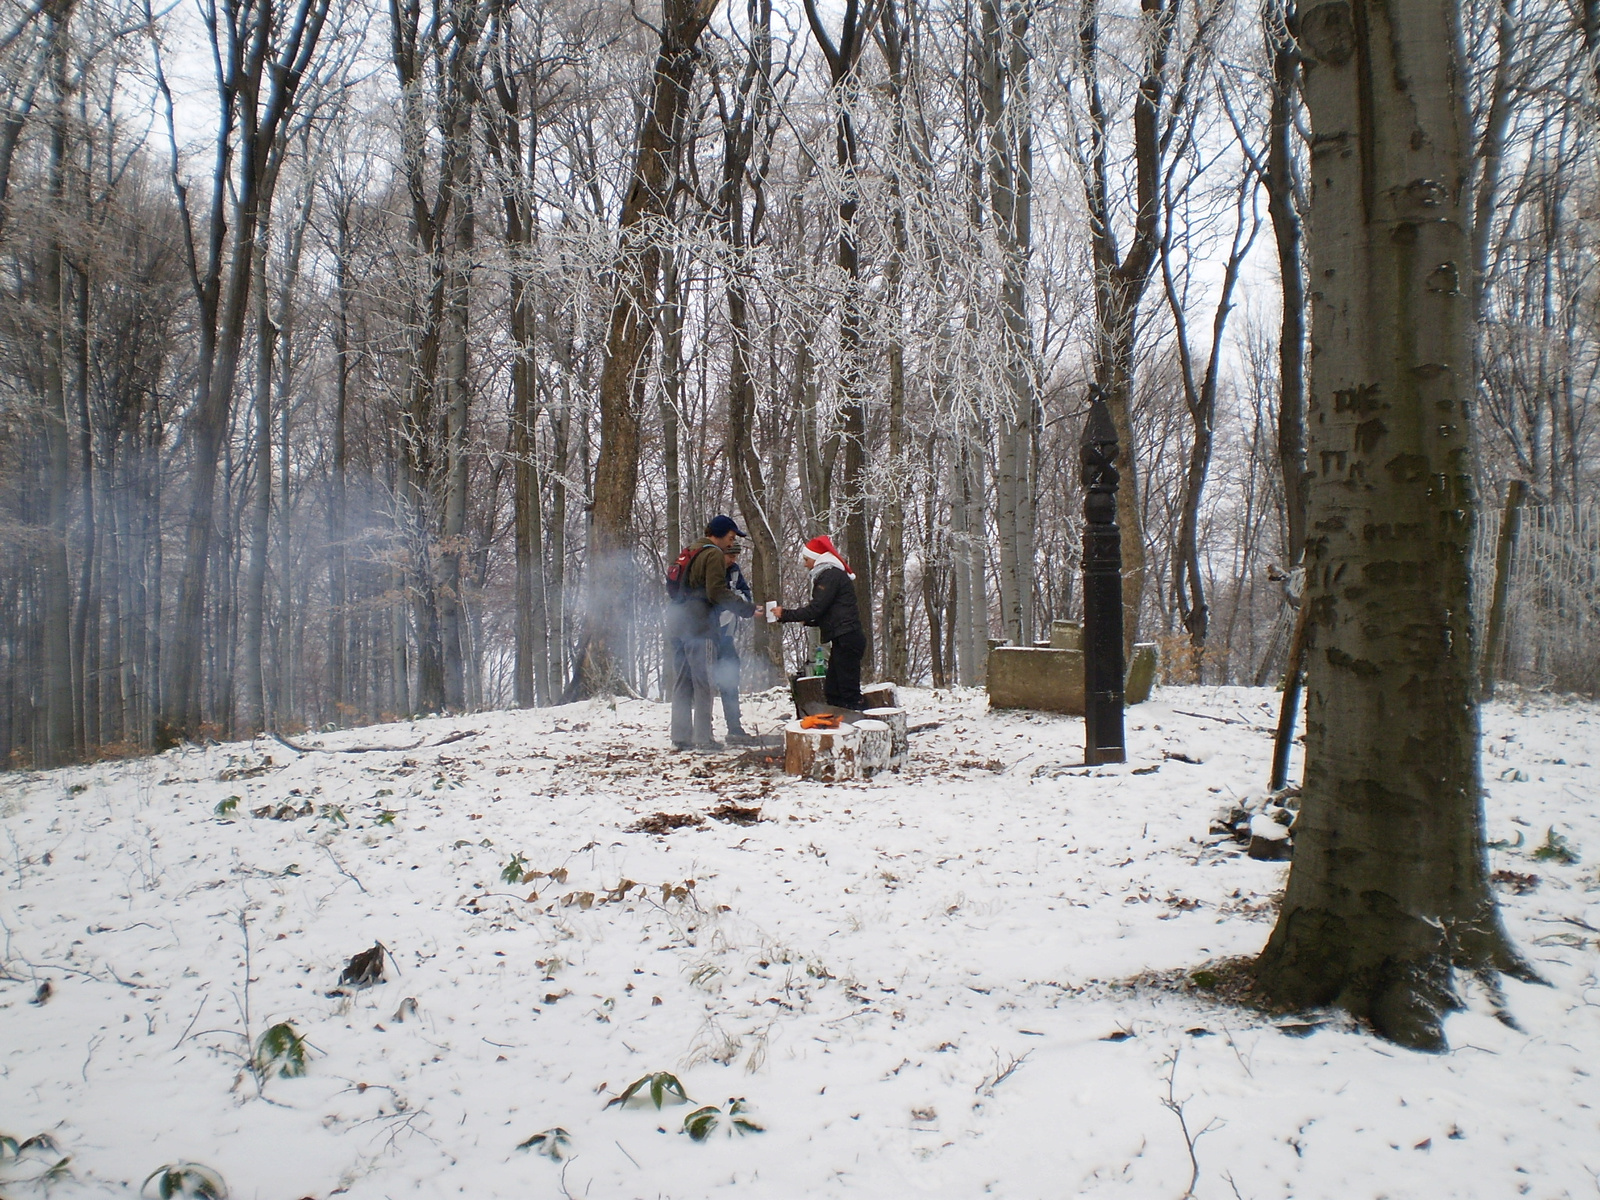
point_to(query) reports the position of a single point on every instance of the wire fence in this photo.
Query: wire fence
(1552, 616)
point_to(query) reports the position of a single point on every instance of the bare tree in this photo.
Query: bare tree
(1389, 893)
(641, 232)
(263, 50)
(843, 56)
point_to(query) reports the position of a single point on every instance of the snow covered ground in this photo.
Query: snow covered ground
(921, 985)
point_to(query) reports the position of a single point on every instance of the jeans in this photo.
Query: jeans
(692, 649)
(725, 674)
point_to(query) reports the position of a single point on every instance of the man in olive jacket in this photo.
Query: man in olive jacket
(704, 589)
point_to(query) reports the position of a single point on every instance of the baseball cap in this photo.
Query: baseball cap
(721, 525)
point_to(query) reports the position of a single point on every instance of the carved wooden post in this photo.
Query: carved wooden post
(1102, 589)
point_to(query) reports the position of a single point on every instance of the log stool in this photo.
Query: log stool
(899, 743)
(826, 755)
(876, 746)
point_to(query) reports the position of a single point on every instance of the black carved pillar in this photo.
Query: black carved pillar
(1102, 588)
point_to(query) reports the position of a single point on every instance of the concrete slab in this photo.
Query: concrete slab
(1031, 677)
(1066, 635)
(1141, 673)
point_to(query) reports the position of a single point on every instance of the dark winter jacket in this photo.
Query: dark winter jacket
(705, 589)
(833, 605)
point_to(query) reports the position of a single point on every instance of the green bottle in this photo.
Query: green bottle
(819, 665)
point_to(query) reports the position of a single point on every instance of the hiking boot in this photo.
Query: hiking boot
(739, 737)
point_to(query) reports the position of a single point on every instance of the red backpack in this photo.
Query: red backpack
(678, 572)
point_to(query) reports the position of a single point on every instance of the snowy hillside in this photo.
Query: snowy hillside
(921, 985)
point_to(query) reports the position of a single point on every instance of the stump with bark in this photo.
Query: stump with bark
(875, 749)
(826, 755)
(899, 743)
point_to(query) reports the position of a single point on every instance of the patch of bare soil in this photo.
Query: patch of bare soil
(662, 823)
(1223, 980)
(736, 814)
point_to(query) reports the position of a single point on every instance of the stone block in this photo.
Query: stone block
(1141, 673)
(1029, 677)
(1066, 635)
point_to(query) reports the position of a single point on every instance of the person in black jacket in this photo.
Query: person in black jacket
(834, 612)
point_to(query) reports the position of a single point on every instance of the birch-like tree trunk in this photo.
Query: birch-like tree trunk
(1389, 893)
(843, 56)
(747, 129)
(1005, 88)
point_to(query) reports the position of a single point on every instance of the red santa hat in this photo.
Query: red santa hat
(823, 544)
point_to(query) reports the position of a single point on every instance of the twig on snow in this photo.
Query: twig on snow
(1175, 1106)
(201, 1008)
(339, 866)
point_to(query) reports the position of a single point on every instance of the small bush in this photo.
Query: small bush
(1556, 848)
(702, 1122)
(660, 1087)
(552, 1143)
(185, 1179)
(279, 1051)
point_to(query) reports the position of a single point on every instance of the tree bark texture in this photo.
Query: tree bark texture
(1121, 278)
(641, 228)
(747, 129)
(1004, 86)
(1389, 891)
(262, 56)
(842, 57)
(1289, 234)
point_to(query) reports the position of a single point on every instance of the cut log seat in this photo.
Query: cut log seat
(877, 743)
(826, 755)
(899, 743)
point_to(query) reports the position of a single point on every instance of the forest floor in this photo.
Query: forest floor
(986, 975)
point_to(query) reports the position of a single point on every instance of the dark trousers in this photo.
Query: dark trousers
(842, 686)
(725, 674)
(692, 649)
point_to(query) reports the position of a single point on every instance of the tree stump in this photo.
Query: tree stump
(876, 747)
(879, 695)
(899, 743)
(807, 693)
(826, 755)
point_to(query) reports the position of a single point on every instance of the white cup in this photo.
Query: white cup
(772, 607)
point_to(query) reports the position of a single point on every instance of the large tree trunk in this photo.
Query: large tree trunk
(670, 405)
(253, 698)
(57, 744)
(842, 58)
(338, 556)
(1290, 238)
(746, 127)
(1004, 85)
(896, 34)
(262, 54)
(646, 207)
(1121, 278)
(1389, 890)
